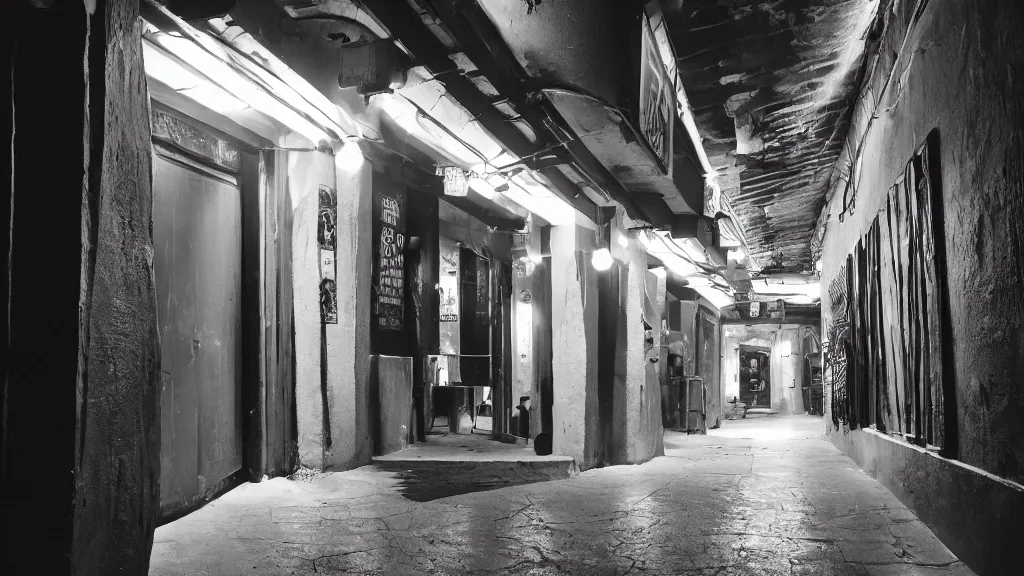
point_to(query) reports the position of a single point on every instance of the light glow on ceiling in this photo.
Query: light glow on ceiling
(211, 70)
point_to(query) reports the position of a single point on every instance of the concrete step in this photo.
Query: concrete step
(460, 464)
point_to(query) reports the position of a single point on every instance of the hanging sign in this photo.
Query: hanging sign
(455, 181)
(657, 98)
(755, 309)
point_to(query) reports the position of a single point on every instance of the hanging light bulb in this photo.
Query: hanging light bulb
(602, 259)
(351, 157)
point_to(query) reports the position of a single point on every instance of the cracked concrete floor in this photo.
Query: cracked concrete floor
(760, 496)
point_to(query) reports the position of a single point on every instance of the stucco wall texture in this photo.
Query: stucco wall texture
(959, 72)
(332, 415)
(958, 75)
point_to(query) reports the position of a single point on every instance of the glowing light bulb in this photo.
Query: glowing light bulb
(602, 259)
(351, 157)
(737, 254)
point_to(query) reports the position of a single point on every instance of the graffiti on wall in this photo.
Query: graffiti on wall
(389, 277)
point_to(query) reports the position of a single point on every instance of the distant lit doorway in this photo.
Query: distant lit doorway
(754, 376)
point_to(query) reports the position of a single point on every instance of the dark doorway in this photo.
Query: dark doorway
(755, 376)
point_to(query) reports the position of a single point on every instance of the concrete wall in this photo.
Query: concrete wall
(959, 72)
(79, 431)
(332, 361)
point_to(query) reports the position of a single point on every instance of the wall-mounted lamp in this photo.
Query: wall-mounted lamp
(602, 259)
(350, 157)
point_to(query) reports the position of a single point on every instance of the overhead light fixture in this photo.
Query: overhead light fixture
(350, 157)
(238, 86)
(737, 254)
(602, 259)
(214, 98)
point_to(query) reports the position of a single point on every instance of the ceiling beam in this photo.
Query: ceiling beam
(481, 41)
(407, 27)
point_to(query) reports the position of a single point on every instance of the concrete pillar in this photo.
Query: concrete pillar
(636, 429)
(331, 360)
(79, 425)
(574, 342)
(650, 431)
(348, 341)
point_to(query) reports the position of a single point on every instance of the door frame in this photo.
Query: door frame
(768, 353)
(256, 187)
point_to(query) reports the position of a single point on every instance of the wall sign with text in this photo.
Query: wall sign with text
(389, 260)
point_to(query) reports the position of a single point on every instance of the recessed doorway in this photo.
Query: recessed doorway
(755, 379)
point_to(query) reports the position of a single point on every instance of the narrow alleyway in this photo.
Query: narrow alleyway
(760, 496)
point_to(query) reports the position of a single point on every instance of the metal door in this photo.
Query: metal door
(197, 263)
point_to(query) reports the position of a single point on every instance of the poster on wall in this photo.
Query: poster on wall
(389, 260)
(448, 284)
(327, 243)
(328, 301)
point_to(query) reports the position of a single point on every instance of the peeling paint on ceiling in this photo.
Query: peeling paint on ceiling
(772, 84)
